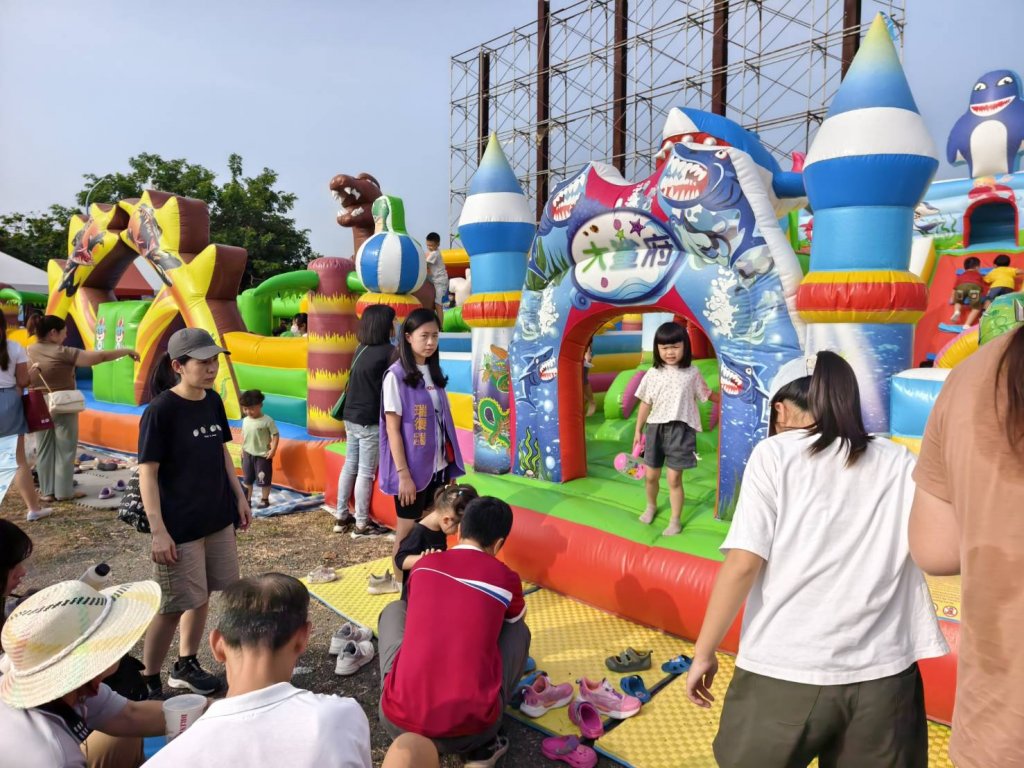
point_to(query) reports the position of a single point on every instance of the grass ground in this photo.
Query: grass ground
(76, 537)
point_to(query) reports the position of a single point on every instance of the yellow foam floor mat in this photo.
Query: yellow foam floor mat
(348, 597)
(571, 640)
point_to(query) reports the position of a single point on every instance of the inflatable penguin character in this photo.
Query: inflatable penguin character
(990, 134)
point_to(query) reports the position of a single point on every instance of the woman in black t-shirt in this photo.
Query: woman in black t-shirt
(193, 500)
(361, 414)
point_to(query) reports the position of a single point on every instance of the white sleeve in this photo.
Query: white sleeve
(645, 384)
(753, 525)
(103, 706)
(18, 354)
(392, 400)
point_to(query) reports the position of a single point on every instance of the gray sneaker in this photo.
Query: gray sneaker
(354, 655)
(370, 530)
(383, 585)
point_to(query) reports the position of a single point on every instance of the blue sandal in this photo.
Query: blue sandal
(678, 665)
(633, 685)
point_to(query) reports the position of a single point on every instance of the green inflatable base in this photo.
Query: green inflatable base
(612, 502)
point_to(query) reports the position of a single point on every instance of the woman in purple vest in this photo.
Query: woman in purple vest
(419, 451)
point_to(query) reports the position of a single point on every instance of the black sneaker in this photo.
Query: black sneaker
(369, 530)
(343, 523)
(188, 674)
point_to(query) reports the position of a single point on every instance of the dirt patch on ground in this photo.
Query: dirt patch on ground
(77, 537)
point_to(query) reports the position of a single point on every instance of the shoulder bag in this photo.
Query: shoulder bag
(64, 400)
(339, 407)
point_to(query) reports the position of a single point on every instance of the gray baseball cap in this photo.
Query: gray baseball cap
(195, 343)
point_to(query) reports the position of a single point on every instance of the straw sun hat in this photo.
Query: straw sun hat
(795, 369)
(63, 636)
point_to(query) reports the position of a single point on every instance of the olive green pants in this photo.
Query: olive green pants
(55, 461)
(770, 723)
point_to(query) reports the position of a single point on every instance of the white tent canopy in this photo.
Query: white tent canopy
(22, 276)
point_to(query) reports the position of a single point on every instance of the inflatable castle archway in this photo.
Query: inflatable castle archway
(699, 238)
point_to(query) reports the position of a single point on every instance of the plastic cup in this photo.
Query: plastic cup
(181, 711)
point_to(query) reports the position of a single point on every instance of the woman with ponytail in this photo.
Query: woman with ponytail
(968, 519)
(837, 614)
(53, 370)
(194, 502)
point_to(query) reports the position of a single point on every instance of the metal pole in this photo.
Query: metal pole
(719, 57)
(619, 86)
(93, 189)
(851, 31)
(484, 103)
(543, 102)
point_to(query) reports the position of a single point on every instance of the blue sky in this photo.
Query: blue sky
(312, 88)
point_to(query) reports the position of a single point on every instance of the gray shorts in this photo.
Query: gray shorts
(673, 444)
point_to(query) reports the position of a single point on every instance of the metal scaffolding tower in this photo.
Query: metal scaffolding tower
(595, 79)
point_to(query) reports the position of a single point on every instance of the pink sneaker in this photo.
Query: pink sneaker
(543, 695)
(607, 700)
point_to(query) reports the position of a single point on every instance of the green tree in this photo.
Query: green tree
(249, 212)
(252, 214)
(36, 237)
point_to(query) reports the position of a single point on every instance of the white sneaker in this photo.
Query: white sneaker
(349, 632)
(353, 656)
(39, 514)
(383, 585)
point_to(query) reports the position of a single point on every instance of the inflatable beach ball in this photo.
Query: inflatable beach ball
(391, 263)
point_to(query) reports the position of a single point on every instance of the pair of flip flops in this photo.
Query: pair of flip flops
(108, 492)
(633, 685)
(569, 750)
(629, 661)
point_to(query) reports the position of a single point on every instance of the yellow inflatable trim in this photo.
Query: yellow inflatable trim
(271, 351)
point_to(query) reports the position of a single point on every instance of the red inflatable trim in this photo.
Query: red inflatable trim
(872, 297)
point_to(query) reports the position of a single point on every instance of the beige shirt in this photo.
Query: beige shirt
(967, 461)
(56, 364)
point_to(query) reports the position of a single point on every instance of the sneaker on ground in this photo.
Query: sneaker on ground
(370, 529)
(353, 656)
(543, 695)
(487, 757)
(342, 521)
(39, 514)
(188, 674)
(383, 585)
(607, 700)
(349, 632)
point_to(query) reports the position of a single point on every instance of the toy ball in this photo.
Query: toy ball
(389, 262)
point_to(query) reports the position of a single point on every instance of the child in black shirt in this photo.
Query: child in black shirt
(431, 532)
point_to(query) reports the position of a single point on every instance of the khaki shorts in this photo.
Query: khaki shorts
(205, 565)
(770, 723)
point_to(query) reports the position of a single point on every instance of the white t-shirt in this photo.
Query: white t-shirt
(437, 273)
(839, 600)
(32, 738)
(18, 355)
(393, 404)
(672, 393)
(278, 725)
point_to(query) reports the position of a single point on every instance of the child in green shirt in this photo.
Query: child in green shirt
(260, 438)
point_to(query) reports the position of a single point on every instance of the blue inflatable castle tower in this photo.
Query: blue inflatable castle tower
(868, 167)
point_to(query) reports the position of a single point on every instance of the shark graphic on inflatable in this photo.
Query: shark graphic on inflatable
(990, 134)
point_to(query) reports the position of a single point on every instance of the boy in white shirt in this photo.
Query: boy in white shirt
(265, 720)
(437, 274)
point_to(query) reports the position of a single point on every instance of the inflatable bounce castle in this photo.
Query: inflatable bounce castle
(708, 238)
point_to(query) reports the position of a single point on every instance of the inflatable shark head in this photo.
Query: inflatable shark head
(994, 92)
(692, 126)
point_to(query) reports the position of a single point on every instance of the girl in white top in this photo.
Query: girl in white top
(818, 549)
(13, 380)
(668, 395)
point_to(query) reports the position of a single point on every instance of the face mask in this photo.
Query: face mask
(295, 328)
